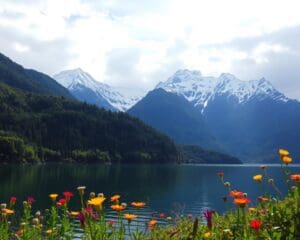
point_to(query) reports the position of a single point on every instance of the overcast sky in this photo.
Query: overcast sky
(137, 43)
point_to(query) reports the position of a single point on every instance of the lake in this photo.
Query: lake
(180, 189)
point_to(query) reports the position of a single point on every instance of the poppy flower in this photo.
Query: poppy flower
(220, 174)
(138, 204)
(68, 195)
(115, 198)
(151, 224)
(241, 201)
(236, 194)
(118, 207)
(61, 202)
(130, 217)
(255, 224)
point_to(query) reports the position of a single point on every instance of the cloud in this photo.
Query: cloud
(143, 42)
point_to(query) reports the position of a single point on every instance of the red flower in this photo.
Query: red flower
(13, 199)
(162, 215)
(220, 174)
(255, 224)
(68, 194)
(111, 222)
(30, 200)
(62, 202)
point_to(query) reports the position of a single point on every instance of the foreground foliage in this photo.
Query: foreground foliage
(274, 217)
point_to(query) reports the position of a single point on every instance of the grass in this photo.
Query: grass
(275, 217)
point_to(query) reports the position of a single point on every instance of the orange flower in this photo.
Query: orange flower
(295, 177)
(258, 178)
(117, 207)
(138, 204)
(287, 160)
(236, 194)
(130, 217)
(263, 199)
(151, 224)
(283, 152)
(115, 198)
(241, 201)
(8, 211)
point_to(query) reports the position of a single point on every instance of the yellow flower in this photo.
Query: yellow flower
(207, 234)
(286, 160)
(53, 196)
(118, 207)
(258, 178)
(49, 231)
(74, 213)
(283, 152)
(8, 211)
(151, 224)
(96, 202)
(130, 217)
(115, 198)
(251, 209)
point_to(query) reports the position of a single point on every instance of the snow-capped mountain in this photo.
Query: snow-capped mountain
(84, 87)
(200, 90)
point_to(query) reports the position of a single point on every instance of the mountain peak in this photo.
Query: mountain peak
(199, 89)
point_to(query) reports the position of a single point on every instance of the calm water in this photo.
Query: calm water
(187, 189)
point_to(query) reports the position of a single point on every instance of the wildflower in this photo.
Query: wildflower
(38, 214)
(19, 232)
(30, 200)
(220, 174)
(169, 219)
(162, 215)
(81, 219)
(208, 214)
(151, 224)
(115, 198)
(118, 207)
(8, 211)
(251, 209)
(263, 199)
(241, 201)
(49, 231)
(81, 190)
(130, 217)
(111, 222)
(3, 205)
(258, 178)
(100, 195)
(138, 204)
(61, 202)
(53, 196)
(74, 213)
(207, 235)
(13, 200)
(295, 177)
(283, 152)
(97, 202)
(255, 224)
(236, 194)
(68, 195)
(287, 160)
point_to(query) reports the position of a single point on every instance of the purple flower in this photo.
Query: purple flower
(208, 214)
(81, 219)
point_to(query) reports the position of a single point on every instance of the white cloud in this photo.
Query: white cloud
(140, 42)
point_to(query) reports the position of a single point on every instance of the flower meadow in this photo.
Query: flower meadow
(273, 217)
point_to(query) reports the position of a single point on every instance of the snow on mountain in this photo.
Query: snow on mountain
(199, 90)
(119, 98)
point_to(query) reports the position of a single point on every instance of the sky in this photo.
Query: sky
(138, 43)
